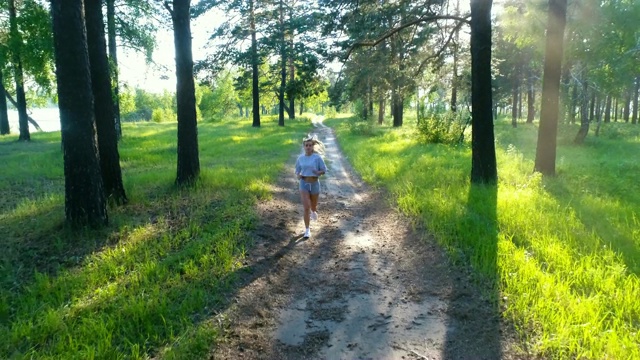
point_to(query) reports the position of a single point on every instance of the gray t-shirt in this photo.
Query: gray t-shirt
(306, 164)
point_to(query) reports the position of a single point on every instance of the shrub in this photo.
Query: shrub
(443, 128)
(163, 115)
(360, 126)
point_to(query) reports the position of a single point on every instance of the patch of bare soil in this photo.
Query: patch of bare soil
(366, 285)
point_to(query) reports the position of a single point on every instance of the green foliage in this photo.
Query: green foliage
(151, 283)
(360, 126)
(160, 115)
(219, 101)
(141, 105)
(560, 256)
(443, 127)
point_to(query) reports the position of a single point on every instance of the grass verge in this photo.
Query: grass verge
(152, 282)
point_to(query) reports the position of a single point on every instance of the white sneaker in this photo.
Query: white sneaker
(314, 215)
(307, 234)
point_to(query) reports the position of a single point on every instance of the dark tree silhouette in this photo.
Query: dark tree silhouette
(4, 115)
(548, 131)
(254, 65)
(84, 193)
(483, 157)
(188, 161)
(18, 74)
(113, 57)
(283, 65)
(103, 103)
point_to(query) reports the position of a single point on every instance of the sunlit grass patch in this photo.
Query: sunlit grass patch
(151, 282)
(560, 255)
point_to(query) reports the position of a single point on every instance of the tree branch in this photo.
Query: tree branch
(391, 32)
(168, 7)
(29, 118)
(442, 49)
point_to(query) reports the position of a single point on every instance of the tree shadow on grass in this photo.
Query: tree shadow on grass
(626, 245)
(149, 296)
(477, 334)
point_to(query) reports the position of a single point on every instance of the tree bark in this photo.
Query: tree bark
(188, 160)
(381, 108)
(634, 116)
(4, 114)
(103, 104)
(254, 66)
(398, 108)
(85, 202)
(547, 134)
(584, 116)
(113, 64)
(283, 70)
(531, 99)
(16, 48)
(607, 110)
(592, 107)
(599, 109)
(574, 103)
(626, 111)
(515, 90)
(483, 152)
(292, 76)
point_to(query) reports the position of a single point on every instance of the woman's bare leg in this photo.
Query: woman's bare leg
(314, 201)
(306, 203)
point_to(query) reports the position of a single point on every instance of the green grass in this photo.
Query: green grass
(154, 280)
(560, 256)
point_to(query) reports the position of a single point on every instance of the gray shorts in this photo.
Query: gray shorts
(312, 187)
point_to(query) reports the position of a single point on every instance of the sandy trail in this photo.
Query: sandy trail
(366, 285)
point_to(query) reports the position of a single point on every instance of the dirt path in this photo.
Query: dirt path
(364, 286)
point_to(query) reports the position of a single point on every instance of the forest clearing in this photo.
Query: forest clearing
(166, 276)
(479, 198)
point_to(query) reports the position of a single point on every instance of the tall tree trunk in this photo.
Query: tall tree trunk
(592, 107)
(370, 96)
(398, 108)
(454, 80)
(599, 110)
(584, 116)
(85, 202)
(515, 90)
(565, 87)
(531, 98)
(626, 106)
(483, 151)
(547, 134)
(607, 110)
(574, 103)
(113, 64)
(365, 108)
(381, 108)
(292, 69)
(254, 66)
(520, 101)
(283, 65)
(634, 116)
(16, 54)
(188, 160)
(4, 115)
(291, 95)
(615, 111)
(103, 103)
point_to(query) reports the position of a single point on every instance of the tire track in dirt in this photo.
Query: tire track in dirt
(366, 285)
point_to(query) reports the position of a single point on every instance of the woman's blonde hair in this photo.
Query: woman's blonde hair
(318, 146)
